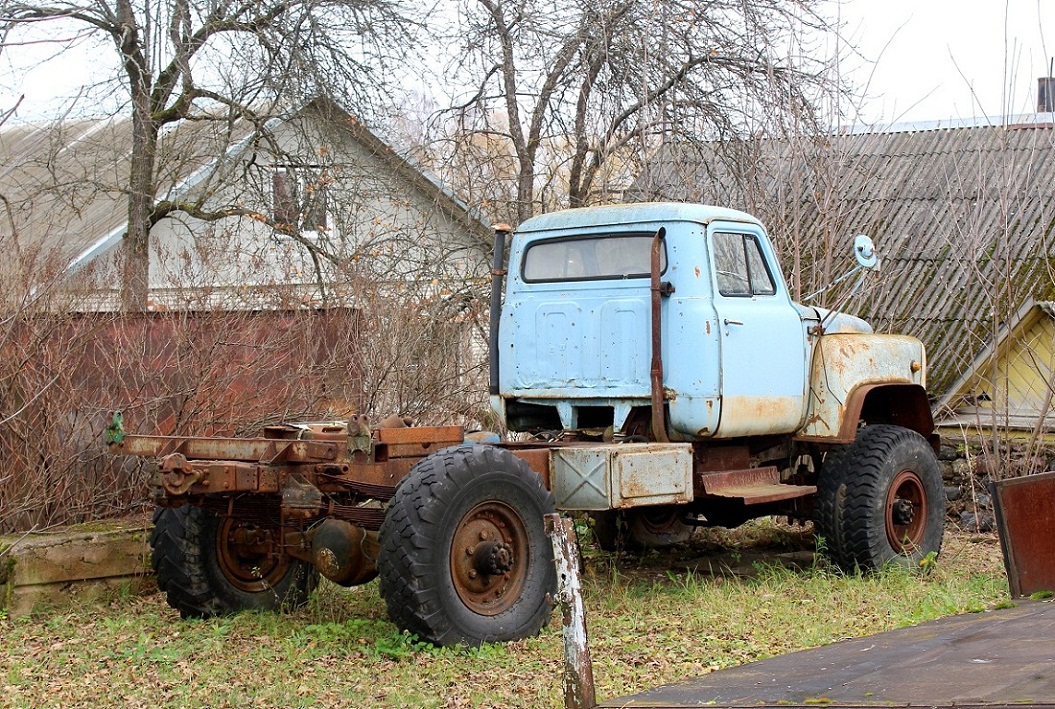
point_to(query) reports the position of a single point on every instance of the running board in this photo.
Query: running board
(755, 486)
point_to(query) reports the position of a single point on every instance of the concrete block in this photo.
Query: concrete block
(57, 568)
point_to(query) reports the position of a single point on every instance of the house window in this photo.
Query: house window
(299, 197)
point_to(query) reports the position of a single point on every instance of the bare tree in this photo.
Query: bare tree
(220, 61)
(578, 89)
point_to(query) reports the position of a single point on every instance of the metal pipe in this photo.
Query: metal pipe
(659, 425)
(497, 275)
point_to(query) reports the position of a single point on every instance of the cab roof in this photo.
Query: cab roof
(626, 214)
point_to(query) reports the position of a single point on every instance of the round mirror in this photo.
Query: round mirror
(865, 252)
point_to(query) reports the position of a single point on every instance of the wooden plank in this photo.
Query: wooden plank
(65, 557)
(997, 659)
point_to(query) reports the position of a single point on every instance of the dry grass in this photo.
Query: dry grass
(727, 599)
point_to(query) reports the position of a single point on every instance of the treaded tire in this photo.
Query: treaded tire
(452, 516)
(880, 500)
(640, 528)
(188, 563)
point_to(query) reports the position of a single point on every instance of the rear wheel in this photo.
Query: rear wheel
(209, 565)
(464, 555)
(655, 527)
(880, 500)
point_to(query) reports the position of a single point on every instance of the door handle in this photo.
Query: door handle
(727, 321)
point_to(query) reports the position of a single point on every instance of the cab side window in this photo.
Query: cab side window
(740, 267)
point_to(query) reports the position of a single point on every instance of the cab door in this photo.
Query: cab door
(762, 350)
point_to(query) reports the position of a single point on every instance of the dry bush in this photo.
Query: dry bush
(171, 373)
(210, 373)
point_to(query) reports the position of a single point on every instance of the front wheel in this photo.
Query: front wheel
(880, 500)
(209, 565)
(464, 555)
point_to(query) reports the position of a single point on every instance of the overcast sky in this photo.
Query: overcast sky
(950, 59)
(920, 60)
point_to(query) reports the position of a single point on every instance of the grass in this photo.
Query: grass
(727, 599)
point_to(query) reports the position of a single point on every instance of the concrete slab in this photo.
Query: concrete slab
(54, 569)
(1000, 658)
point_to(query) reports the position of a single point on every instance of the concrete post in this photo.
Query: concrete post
(578, 668)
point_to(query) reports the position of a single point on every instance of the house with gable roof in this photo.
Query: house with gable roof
(366, 300)
(343, 198)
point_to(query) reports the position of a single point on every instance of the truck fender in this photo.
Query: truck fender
(903, 405)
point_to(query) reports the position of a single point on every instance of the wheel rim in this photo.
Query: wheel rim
(489, 558)
(246, 557)
(906, 512)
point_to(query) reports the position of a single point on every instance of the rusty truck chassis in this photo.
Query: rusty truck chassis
(296, 475)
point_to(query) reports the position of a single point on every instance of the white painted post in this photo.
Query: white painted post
(578, 667)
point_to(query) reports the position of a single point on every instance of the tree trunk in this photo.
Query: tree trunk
(579, 183)
(526, 191)
(135, 256)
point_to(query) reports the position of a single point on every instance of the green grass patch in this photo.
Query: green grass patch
(725, 600)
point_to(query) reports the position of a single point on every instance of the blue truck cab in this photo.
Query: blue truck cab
(664, 335)
(737, 353)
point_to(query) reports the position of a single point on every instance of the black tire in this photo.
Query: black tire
(464, 555)
(880, 500)
(203, 574)
(640, 528)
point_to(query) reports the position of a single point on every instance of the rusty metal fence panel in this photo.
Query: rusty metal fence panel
(1025, 513)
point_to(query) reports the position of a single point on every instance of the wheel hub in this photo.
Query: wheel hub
(493, 558)
(906, 512)
(489, 558)
(247, 556)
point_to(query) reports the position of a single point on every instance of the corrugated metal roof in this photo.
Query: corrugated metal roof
(963, 217)
(65, 182)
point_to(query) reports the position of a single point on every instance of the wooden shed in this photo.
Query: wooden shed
(1010, 383)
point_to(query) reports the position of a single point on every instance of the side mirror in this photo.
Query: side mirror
(865, 253)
